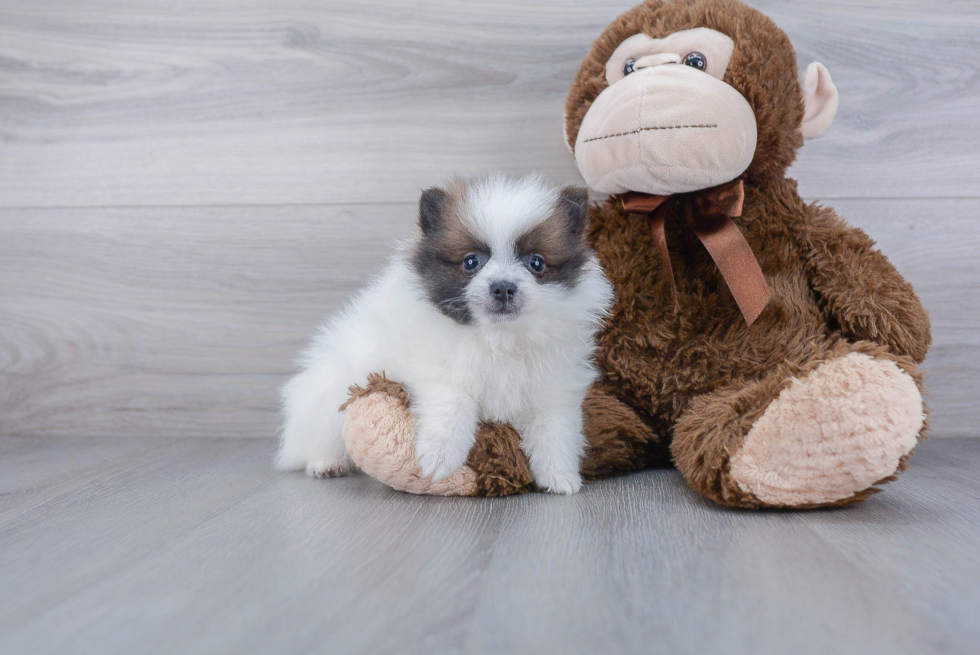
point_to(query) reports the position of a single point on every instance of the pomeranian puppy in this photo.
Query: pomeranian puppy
(489, 313)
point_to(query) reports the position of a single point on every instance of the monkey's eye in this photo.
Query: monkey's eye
(628, 67)
(535, 264)
(696, 60)
(471, 262)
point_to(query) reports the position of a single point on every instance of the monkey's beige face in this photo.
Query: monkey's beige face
(667, 123)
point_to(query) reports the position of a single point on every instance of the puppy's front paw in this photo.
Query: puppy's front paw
(559, 482)
(440, 456)
(325, 468)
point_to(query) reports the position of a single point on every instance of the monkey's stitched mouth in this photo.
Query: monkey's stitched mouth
(646, 129)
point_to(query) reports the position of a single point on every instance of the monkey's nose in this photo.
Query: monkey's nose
(657, 60)
(503, 291)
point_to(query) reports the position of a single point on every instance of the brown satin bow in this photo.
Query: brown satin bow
(710, 213)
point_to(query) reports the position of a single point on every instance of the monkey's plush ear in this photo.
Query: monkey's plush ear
(432, 206)
(574, 202)
(821, 99)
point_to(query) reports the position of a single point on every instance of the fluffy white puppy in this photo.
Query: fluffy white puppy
(489, 313)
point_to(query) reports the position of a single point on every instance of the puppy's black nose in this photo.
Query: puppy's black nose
(503, 291)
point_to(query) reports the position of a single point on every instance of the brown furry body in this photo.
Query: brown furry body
(699, 379)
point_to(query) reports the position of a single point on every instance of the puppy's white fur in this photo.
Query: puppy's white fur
(532, 370)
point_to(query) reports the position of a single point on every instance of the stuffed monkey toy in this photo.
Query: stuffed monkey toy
(757, 343)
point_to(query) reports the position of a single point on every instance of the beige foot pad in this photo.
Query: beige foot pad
(832, 434)
(379, 433)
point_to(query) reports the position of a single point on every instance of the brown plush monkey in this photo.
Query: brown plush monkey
(758, 343)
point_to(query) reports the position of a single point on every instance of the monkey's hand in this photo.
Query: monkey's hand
(861, 290)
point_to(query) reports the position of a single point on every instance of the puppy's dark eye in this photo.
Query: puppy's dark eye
(535, 264)
(696, 60)
(628, 67)
(471, 262)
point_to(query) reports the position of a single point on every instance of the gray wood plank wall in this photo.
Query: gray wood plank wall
(187, 188)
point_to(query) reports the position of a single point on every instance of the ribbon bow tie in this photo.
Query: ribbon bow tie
(710, 213)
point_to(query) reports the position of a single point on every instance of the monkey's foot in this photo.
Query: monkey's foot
(379, 433)
(837, 432)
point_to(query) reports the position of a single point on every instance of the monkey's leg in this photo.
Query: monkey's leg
(379, 433)
(619, 441)
(820, 434)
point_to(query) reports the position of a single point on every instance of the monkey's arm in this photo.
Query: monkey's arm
(860, 289)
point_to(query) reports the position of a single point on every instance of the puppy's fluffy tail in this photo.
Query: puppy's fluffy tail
(311, 403)
(343, 352)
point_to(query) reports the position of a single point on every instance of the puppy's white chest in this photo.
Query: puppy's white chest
(506, 388)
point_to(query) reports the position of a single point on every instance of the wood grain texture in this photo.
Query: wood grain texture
(195, 546)
(184, 322)
(170, 321)
(286, 101)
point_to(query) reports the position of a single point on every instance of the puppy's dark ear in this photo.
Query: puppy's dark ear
(432, 208)
(574, 203)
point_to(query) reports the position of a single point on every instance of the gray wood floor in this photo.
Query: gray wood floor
(195, 546)
(187, 189)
